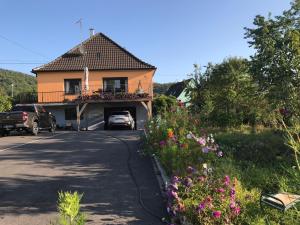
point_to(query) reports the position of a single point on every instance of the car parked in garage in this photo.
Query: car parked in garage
(121, 119)
(27, 117)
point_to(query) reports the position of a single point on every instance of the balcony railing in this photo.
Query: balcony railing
(92, 94)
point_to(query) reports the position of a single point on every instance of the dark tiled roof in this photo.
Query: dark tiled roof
(177, 88)
(97, 53)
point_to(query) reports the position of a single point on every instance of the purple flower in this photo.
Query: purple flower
(173, 194)
(217, 214)
(205, 149)
(162, 143)
(173, 187)
(188, 182)
(190, 170)
(175, 179)
(220, 154)
(200, 207)
(232, 192)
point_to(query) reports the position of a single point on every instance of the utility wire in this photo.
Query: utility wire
(22, 46)
(21, 63)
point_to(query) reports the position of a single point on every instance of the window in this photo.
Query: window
(40, 109)
(23, 108)
(72, 86)
(115, 85)
(71, 114)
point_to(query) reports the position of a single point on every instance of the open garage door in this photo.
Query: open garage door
(109, 110)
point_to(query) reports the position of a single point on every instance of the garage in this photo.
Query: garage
(109, 110)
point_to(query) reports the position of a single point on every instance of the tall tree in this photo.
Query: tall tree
(225, 93)
(276, 63)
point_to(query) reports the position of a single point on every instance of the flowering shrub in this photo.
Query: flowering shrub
(195, 192)
(204, 189)
(203, 198)
(177, 146)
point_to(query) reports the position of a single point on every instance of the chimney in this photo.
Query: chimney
(92, 32)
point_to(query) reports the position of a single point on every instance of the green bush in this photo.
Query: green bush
(162, 103)
(69, 209)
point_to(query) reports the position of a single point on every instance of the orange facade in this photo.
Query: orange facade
(51, 84)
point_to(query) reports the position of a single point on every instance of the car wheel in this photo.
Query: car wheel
(53, 126)
(3, 133)
(35, 128)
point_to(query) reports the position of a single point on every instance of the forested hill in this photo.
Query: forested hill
(161, 88)
(22, 82)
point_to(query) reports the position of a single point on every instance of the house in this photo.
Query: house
(84, 85)
(178, 90)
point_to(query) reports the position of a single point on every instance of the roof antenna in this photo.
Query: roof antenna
(80, 26)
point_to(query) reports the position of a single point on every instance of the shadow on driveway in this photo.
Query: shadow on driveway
(89, 162)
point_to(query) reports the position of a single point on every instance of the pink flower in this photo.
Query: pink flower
(220, 154)
(217, 214)
(237, 210)
(232, 205)
(201, 141)
(226, 180)
(201, 178)
(208, 199)
(221, 190)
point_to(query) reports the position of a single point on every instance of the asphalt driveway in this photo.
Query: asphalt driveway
(34, 169)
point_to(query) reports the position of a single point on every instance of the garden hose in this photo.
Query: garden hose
(141, 202)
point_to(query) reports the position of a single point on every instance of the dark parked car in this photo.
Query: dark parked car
(28, 117)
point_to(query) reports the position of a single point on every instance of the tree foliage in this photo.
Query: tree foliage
(5, 102)
(163, 103)
(239, 91)
(225, 93)
(22, 82)
(276, 63)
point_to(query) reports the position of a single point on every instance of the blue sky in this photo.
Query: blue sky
(170, 34)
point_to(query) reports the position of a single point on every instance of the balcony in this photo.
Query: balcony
(93, 94)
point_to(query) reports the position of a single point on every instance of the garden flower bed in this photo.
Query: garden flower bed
(207, 185)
